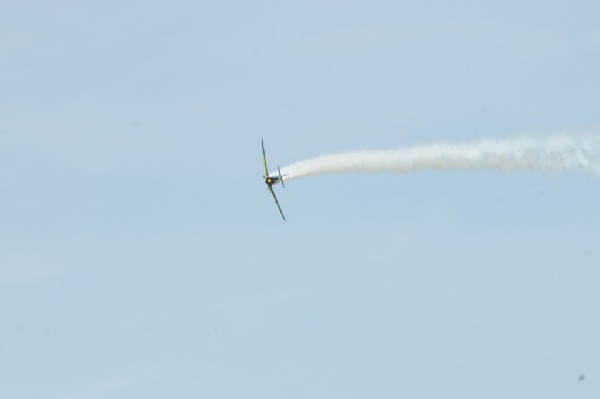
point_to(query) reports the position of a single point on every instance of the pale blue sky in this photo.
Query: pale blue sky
(141, 256)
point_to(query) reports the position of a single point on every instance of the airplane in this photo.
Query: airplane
(273, 178)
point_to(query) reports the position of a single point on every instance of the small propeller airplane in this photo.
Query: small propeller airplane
(273, 178)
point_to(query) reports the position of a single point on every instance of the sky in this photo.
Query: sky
(142, 256)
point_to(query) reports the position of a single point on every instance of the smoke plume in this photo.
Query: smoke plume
(558, 153)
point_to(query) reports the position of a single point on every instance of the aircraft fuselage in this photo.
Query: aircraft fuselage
(271, 180)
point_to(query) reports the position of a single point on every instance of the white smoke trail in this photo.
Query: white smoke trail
(558, 153)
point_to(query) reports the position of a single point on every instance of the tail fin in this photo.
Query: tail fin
(280, 177)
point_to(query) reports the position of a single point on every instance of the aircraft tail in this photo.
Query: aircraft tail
(280, 176)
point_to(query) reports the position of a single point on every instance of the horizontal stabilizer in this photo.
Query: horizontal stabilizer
(280, 177)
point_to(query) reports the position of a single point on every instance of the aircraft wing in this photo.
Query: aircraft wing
(277, 202)
(265, 160)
